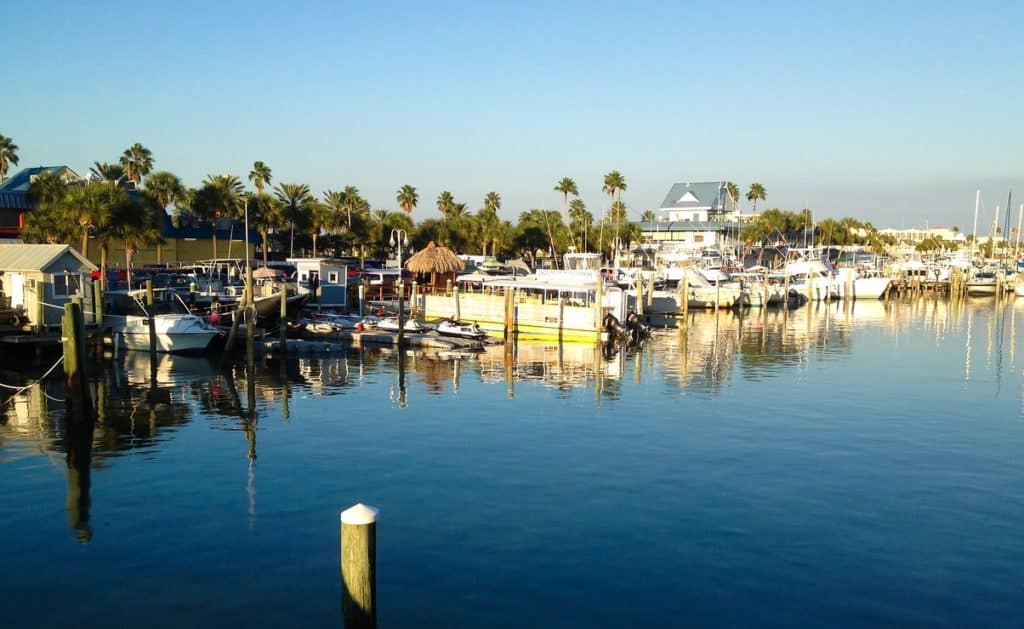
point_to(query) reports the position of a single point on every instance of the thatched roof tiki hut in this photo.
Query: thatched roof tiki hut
(440, 262)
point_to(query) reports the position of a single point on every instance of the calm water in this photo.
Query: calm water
(821, 468)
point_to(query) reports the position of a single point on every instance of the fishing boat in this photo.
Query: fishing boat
(413, 326)
(177, 331)
(460, 329)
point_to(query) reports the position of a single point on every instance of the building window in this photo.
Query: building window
(332, 277)
(698, 238)
(64, 285)
(696, 216)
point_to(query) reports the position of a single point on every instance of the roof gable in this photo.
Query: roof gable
(37, 257)
(21, 180)
(703, 195)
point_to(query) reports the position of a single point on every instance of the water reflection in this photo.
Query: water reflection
(140, 403)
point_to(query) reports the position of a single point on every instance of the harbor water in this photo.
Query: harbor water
(832, 465)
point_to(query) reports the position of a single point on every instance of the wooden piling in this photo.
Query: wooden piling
(152, 321)
(76, 381)
(284, 315)
(650, 295)
(359, 566)
(640, 294)
(458, 308)
(250, 319)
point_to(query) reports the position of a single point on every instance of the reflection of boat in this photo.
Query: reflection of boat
(411, 325)
(453, 327)
(176, 330)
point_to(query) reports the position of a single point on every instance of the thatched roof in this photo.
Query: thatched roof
(434, 259)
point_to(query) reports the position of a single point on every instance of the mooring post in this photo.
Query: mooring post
(250, 317)
(448, 287)
(359, 566)
(401, 313)
(75, 381)
(640, 294)
(458, 308)
(284, 314)
(152, 322)
(362, 300)
(414, 301)
(650, 295)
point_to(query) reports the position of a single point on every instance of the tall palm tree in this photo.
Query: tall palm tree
(266, 213)
(335, 200)
(353, 202)
(321, 218)
(734, 193)
(614, 184)
(407, 199)
(260, 176)
(580, 217)
(220, 197)
(295, 198)
(566, 186)
(755, 194)
(47, 188)
(137, 162)
(8, 155)
(445, 200)
(492, 202)
(648, 216)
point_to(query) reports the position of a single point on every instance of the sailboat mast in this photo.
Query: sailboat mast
(974, 234)
(1020, 215)
(1006, 226)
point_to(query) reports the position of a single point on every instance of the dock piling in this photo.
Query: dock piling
(152, 322)
(359, 566)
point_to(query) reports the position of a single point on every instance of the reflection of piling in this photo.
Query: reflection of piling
(152, 320)
(80, 420)
(640, 294)
(284, 318)
(359, 566)
(684, 301)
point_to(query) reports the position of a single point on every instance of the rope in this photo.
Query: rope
(19, 390)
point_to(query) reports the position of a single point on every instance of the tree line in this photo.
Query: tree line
(119, 200)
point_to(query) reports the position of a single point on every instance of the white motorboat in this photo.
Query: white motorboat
(413, 326)
(460, 329)
(176, 330)
(983, 284)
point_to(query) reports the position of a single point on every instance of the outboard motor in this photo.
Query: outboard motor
(635, 326)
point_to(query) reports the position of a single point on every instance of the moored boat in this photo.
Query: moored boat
(460, 329)
(177, 331)
(414, 326)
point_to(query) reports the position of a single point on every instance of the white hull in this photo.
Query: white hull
(870, 287)
(175, 334)
(981, 289)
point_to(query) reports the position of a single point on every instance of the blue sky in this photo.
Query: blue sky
(895, 112)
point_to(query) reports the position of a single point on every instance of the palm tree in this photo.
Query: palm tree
(566, 186)
(321, 218)
(648, 216)
(457, 211)
(108, 172)
(353, 201)
(492, 202)
(260, 176)
(163, 187)
(266, 213)
(295, 198)
(8, 154)
(407, 199)
(47, 188)
(445, 200)
(134, 224)
(755, 194)
(614, 184)
(137, 161)
(734, 192)
(219, 198)
(335, 200)
(92, 206)
(579, 216)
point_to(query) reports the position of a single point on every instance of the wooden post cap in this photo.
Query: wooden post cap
(359, 514)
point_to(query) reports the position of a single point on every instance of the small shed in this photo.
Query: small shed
(326, 280)
(441, 263)
(42, 278)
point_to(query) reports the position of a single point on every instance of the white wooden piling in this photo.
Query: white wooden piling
(359, 566)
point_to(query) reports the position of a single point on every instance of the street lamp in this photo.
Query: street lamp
(400, 238)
